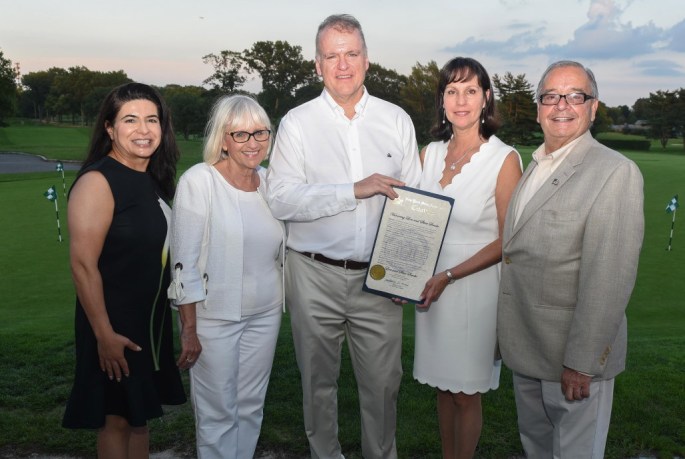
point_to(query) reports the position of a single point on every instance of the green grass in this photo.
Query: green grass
(66, 143)
(36, 338)
(70, 143)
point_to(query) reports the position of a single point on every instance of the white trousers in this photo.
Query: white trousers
(228, 383)
(552, 427)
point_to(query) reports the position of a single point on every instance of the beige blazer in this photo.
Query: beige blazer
(569, 267)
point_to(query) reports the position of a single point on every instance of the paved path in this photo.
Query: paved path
(14, 163)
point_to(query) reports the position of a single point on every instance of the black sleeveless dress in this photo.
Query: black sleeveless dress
(135, 275)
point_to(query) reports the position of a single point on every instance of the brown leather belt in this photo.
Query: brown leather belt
(347, 264)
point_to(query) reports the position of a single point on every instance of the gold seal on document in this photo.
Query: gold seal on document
(377, 272)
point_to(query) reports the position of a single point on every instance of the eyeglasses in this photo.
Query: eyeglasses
(574, 98)
(243, 136)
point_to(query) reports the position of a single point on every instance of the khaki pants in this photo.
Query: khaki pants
(552, 427)
(327, 304)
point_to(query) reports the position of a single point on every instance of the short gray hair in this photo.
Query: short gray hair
(228, 113)
(560, 64)
(341, 22)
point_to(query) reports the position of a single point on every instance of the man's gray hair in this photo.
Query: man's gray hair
(341, 22)
(560, 64)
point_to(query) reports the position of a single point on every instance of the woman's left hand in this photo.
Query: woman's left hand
(433, 289)
(190, 343)
(190, 349)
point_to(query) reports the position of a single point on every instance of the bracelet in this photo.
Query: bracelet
(451, 278)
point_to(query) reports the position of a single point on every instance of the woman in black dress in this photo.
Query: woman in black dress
(118, 218)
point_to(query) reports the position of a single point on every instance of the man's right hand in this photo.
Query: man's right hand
(376, 184)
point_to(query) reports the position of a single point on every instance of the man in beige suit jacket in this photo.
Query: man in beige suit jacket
(571, 244)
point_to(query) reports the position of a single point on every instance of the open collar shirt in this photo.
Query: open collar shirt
(546, 164)
(319, 154)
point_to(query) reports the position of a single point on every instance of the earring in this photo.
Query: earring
(444, 116)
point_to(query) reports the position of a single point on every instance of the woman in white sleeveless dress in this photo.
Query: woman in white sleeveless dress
(455, 324)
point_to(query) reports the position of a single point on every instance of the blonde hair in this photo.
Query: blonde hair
(230, 113)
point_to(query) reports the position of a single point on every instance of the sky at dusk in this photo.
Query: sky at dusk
(634, 46)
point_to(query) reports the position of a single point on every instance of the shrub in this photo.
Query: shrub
(627, 144)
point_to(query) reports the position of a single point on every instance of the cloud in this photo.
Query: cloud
(660, 68)
(603, 36)
(595, 40)
(518, 45)
(604, 11)
(676, 36)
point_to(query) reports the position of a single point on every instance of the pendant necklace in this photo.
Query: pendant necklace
(454, 165)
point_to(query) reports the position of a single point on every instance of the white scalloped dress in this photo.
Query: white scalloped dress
(456, 336)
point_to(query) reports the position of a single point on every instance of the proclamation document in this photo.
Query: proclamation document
(408, 243)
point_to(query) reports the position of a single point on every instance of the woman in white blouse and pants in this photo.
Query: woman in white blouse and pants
(227, 253)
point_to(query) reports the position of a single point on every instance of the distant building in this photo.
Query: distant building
(640, 127)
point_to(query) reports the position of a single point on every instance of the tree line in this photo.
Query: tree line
(288, 79)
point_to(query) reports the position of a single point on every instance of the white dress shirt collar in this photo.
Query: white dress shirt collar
(359, 107)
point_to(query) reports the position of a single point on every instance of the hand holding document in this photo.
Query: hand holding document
(408, 243)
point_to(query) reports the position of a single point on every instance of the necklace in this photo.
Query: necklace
(454, 165)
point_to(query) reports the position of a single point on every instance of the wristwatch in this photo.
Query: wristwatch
(451, 278)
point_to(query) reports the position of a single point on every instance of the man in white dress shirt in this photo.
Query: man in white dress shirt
(335, 160)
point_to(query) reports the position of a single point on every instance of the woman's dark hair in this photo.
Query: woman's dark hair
(457, 70)
(162, 166)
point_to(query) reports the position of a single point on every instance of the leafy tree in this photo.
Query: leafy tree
(93, 101)
(38, 86)
(660, 111)
(308, 92)
(679, 114)
(189, 106)
(385, 83)
(70, 92)
(517, 109)
(8, 88)
(640, 108)
(58, 104)
(602, 122)
(228, 66)
(283, 71)
(102, 83)
(418, 98)
(620, 115)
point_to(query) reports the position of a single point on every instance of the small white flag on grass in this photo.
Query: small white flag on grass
(60, 168)
(51, 195)
(670, 209)
(672, 205)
